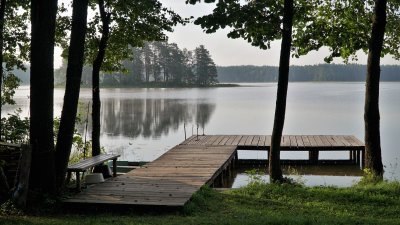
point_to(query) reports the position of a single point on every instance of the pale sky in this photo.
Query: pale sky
(226, 51)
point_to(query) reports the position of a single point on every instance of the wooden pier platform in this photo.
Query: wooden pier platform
(170, 180)
(174, 177)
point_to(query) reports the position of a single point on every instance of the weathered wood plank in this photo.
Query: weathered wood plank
(236, 140)
(231, 139)
(293, 141)
(243, 140)
(285, 141)
(267, 141)
(261, 143)
(312, 140)
(249, 140)
(306, 141)
(224, 140)
(218, 140)
(299, 141)
(325, 141)
(255, 140)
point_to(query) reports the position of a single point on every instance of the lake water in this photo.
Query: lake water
(141, 124)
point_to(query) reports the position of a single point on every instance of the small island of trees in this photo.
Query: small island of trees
(157, 64)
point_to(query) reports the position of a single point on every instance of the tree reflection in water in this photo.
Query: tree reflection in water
(152, 118)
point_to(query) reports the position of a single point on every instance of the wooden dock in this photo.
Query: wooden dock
(170, 180)
(288, 143)
(174, 177)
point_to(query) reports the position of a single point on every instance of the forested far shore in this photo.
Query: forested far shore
(321, 72)
(249, 73)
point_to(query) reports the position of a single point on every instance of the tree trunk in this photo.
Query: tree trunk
(105, 18)
(73, 82)
(43, 19)
(2, 21)
(275, 170)
(4, 187)
(371, 111)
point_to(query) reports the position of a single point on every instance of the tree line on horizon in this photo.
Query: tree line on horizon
(252, 73)
(320, 72)
(157, 62)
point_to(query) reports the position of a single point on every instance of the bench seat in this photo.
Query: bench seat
(88, 163)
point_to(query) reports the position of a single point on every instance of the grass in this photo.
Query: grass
(257, 203)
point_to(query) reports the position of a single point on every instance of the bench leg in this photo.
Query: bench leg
(68, 178)
(114, 167)
(78, 181)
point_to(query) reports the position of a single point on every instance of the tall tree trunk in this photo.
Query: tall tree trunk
(371, 110)
(43, 19)
(275, 170)
(73, 83)
(105, 19)
(2, 21)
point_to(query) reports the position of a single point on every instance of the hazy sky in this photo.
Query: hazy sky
(226, 51)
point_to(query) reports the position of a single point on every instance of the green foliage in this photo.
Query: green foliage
(255, 176)
(369, 178)
(80, 148)
(257, 22)
(16, 35)
(8, 208)
(204, 67)
(14, 128)
(345, 26)
(132, 23)
(199, 201)
(299, 180)
(10, 84)
(268, 204)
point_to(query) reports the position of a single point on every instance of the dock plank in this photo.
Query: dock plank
(255, 140)
(249, 140)
(237, 140)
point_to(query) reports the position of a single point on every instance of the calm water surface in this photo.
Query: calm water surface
(141, 124)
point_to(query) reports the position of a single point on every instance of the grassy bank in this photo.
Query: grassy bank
(258, 204)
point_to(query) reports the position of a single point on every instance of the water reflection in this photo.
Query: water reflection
(152, 118)
(340, 176)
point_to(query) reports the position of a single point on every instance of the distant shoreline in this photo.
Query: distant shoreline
(157, 85)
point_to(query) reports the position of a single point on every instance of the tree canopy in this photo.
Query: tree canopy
(344, 26)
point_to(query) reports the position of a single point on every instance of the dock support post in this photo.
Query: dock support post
(362, 158)
(313, 156)
(358, 157)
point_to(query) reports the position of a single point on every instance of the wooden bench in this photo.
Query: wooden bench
(88, 163)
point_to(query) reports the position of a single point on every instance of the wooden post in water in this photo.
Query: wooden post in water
(197, 134)
(313, 156)
(184, 129)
